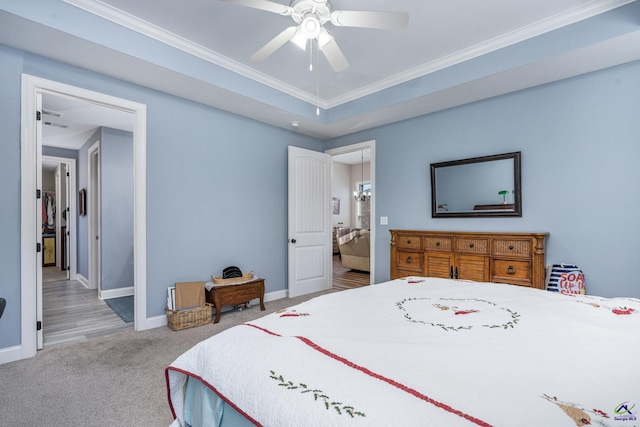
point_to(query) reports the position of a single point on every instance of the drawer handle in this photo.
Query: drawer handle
(409, 241)
(471, 245)
(437, 243)
(511, 270)
(408, 260)
(510, 247)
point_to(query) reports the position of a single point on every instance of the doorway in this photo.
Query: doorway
(354, 218)
(62, 172)
(33, 89)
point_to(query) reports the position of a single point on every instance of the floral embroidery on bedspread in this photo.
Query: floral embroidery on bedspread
(318, 395)
(455, 314)
(619, 310)
(580, 415)
(290, 313)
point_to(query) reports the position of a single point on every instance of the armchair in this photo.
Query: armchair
(354, 248)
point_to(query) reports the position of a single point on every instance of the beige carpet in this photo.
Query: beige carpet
(116, 380)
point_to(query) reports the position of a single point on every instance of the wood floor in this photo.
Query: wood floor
(73, 313)
(345, 278)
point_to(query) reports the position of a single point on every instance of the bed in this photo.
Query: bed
(419, 351)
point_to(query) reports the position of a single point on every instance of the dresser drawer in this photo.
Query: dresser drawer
(510, 271)
(409, 242)
(411, 260)
(512, 247)
(472, 246)
(438, 243)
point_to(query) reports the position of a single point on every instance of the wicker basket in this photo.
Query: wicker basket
(220, 281)
(184, 319)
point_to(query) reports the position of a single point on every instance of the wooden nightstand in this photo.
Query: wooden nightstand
(241, 293)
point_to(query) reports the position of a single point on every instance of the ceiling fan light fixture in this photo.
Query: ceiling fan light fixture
(300, 40)
(310, 27)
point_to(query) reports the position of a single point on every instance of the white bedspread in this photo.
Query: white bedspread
(417, 352)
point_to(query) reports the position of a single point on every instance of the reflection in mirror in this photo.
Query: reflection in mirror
(479, 186)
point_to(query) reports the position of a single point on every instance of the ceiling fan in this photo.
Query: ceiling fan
(310, 17)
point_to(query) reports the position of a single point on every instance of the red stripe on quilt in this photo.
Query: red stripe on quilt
(389, 381)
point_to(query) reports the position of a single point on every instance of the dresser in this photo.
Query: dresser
(515, 258)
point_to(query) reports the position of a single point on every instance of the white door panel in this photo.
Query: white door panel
(309, 221)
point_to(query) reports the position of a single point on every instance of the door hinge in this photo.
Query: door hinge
(38, 195)
(39, 325)
(67, 173)
(38, 247)
(38, 116)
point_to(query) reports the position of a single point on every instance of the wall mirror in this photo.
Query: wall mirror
(486, 186)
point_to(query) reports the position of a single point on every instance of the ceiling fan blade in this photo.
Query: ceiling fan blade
(370, 19)
(335, 56)
(267, 5)
(275, 44)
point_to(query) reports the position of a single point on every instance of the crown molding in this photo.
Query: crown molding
(577, 14)
(124, 19)
(133, 23)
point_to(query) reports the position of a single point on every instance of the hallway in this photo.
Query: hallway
(72, 313)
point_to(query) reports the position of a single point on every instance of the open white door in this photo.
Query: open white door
(67, 208)
(309, 221)
(38, 226)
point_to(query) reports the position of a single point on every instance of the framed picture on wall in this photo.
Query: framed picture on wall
(336, 206)
(82, 202)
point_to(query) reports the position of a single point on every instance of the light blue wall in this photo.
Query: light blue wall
(580, 150)
(10, 69)
(116, 209)
(216, 187)
(59, 152)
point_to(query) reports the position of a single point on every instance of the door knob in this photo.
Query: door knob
(293, 240)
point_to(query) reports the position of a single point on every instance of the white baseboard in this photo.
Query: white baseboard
(10, 354)
(153, 322)
(115, 293)
(272, 296)
(159, 321)
(80, 278)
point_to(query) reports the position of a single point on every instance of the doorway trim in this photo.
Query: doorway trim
(366, 145)
(93, 212)
(31, 158)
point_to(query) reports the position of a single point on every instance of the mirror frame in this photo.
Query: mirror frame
(517, 209)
